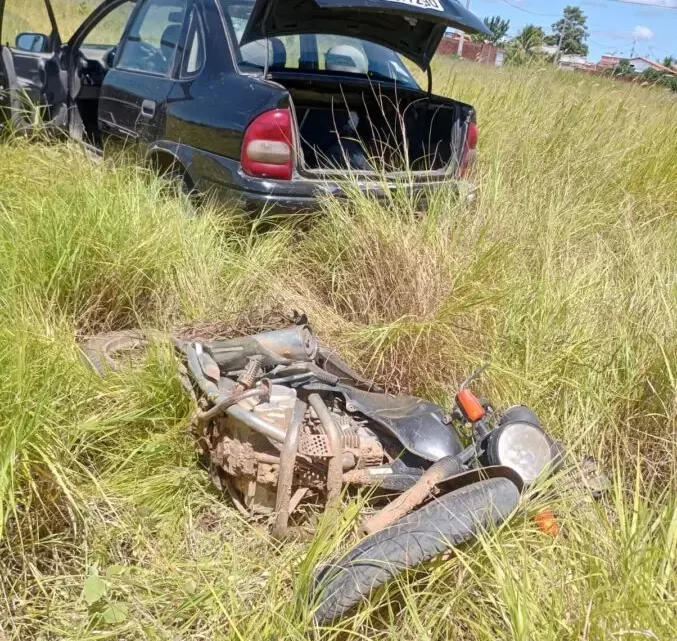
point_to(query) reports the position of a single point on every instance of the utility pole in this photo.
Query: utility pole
(632, 52)
(460, 42)
(559, 42)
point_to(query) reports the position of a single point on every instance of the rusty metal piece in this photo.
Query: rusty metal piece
(315, 445)
(235, 457)
(282, 346)
(335, 465)
(413, 497)
(270, 459)
(370, 453)
(295, 343)
(101, 350)
(350, 440)
(251, 372)
(207, 364)
(318, 446)
(223, 405)
(361, 477)
(268, 474)
(215, 395)
(358, 450)
(232, 492)
(348, 461)
(277, 407)
(310, 477)
(285, 477)
(297, 498)
(256, 423)
(257, 497)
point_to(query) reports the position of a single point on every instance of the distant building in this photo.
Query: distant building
(566, 60)
(475, 51)
(571, 61)
(608, 62)
(640, 64)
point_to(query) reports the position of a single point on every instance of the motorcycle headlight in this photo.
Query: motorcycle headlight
(521, 446)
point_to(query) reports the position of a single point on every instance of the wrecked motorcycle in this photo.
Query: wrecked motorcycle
(284, 421)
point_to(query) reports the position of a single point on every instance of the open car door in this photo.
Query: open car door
(32, 86)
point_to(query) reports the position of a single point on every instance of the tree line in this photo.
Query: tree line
(568, 35)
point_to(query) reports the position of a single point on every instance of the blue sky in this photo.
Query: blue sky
(613, 24)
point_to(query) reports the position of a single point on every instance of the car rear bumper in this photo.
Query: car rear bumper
(223, 177)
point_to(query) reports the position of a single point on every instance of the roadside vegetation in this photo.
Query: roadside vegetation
(561, 274)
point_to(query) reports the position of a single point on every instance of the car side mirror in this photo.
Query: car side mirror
(34, 42)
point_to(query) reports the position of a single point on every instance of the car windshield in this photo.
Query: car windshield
(326, 53)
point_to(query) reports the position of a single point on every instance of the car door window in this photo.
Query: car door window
(193, 56)
(16, 20)
(108, 31)
(153, 37)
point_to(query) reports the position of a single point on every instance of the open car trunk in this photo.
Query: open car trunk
(381, 119)
(375, 127)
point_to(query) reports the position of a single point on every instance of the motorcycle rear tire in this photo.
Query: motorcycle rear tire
(452, 519)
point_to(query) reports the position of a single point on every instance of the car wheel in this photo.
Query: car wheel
(180, 183)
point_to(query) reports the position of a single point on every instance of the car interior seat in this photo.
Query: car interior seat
(278, 54)
(169, 41)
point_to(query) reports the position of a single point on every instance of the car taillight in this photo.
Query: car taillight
(267, 148)
(469, 148)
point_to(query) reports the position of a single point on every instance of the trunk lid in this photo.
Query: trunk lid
(413, 28)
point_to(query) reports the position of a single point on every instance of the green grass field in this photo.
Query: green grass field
(562, 274)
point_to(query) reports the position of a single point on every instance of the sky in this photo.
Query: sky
(613, 25)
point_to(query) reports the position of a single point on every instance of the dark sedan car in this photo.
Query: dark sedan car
(267, 102)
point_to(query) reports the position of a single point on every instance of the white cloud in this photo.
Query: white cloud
(638, 33)
(642, 33)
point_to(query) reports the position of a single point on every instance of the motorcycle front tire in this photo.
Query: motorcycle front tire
(452, 519)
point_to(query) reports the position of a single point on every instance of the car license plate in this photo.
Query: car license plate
(435, 5)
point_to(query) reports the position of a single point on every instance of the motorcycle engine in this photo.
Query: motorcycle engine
(249, 462)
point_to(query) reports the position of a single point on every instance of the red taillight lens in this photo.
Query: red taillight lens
(267, 148)
(471, 136)
(469, 147)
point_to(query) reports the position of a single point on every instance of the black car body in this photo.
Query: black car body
(267, 102)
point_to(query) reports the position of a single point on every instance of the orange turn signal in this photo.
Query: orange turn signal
(547, 523)
(470, 406)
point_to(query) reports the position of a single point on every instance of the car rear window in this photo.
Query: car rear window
(325, 53)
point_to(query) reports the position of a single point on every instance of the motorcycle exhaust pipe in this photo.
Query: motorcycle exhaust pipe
(277, 347)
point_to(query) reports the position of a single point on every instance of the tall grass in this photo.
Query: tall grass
(561, 274)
